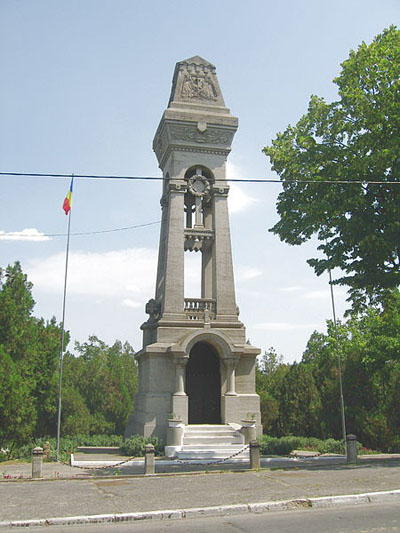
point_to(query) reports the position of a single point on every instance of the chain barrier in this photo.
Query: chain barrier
(98, 467)
(188, 462)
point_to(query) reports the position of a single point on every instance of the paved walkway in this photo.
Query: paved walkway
(24, 499)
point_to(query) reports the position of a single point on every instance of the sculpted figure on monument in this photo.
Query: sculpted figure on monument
(153, 308)
(198, 87)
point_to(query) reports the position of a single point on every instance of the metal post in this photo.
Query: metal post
(339, 362)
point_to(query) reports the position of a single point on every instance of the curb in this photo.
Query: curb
(222, 510)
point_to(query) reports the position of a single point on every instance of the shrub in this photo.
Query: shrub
(68, 445)
(135, 445)
(285, 445)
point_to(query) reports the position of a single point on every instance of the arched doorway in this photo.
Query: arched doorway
(203, 384)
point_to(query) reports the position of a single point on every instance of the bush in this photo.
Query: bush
(285, 445)
(68, 445)
(135, 445)
(281, 445)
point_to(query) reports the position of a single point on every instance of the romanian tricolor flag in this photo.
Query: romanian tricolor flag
(68, 199)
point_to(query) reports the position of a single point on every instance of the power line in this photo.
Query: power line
(160, 178)
(104, 230)
(38, 236)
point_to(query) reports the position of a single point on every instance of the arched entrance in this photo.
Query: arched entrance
(203, 384)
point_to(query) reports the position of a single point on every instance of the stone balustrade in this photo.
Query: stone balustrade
(195, 308)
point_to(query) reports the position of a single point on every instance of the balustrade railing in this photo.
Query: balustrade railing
(195, 308)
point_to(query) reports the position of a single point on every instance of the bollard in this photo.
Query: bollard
(149, 464)
(37, 461)
(351, 448)
(254, 455)
(248, 430)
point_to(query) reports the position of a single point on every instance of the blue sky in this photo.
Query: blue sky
(83, 86)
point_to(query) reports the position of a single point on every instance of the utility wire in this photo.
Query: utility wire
(38, 236)
(160, 178)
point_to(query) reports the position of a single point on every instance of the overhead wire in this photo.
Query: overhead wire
(161, 178)
(80, 233)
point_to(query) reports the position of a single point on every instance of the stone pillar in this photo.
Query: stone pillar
(351, 448)
(230, 365)
(254, 455)
(174, 437)
(180, 366)
(149, 463)
(224, 289)
(37, 462)
(249, 430)
(179, 397)
(172, 300)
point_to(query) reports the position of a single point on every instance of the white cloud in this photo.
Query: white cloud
(295, 288)
(324, 294)
(238, 200)
(284, 326)
(27, 234)
(131, 303)
(119, 273)
(244, 273)
(317, 295)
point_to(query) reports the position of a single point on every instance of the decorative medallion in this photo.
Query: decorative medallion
(199, 186)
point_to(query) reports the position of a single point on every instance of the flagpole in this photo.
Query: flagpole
(63, 334)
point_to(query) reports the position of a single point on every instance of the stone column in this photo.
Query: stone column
(180, 367)
(172, 300)
(224, 289)
(179, 397)
(230, 365)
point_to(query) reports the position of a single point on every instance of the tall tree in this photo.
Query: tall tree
(270, 373)
(29, 351)
(354, 139)
(99, 386)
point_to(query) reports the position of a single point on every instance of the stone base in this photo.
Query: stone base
(159, 364)
(180, 404)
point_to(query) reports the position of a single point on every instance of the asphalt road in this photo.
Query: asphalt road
(59, 498)
(371, 518)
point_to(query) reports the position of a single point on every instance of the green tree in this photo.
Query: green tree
(17, 413)
(270, 372)
(99, 386)
(369, 347)
(299, 403)
(354, 139)
(30, 349)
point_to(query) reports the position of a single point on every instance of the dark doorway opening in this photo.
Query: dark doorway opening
(203, 384)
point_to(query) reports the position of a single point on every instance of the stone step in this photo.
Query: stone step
(213, 446)
(208, 427)
(211, 439)
(224, 431)
(196, 453)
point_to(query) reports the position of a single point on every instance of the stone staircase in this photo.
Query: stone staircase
(207, 442)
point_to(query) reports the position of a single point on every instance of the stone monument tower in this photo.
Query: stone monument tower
(195, 364)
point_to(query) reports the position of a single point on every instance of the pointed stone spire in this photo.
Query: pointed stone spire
(196, 114)
(195, 82)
